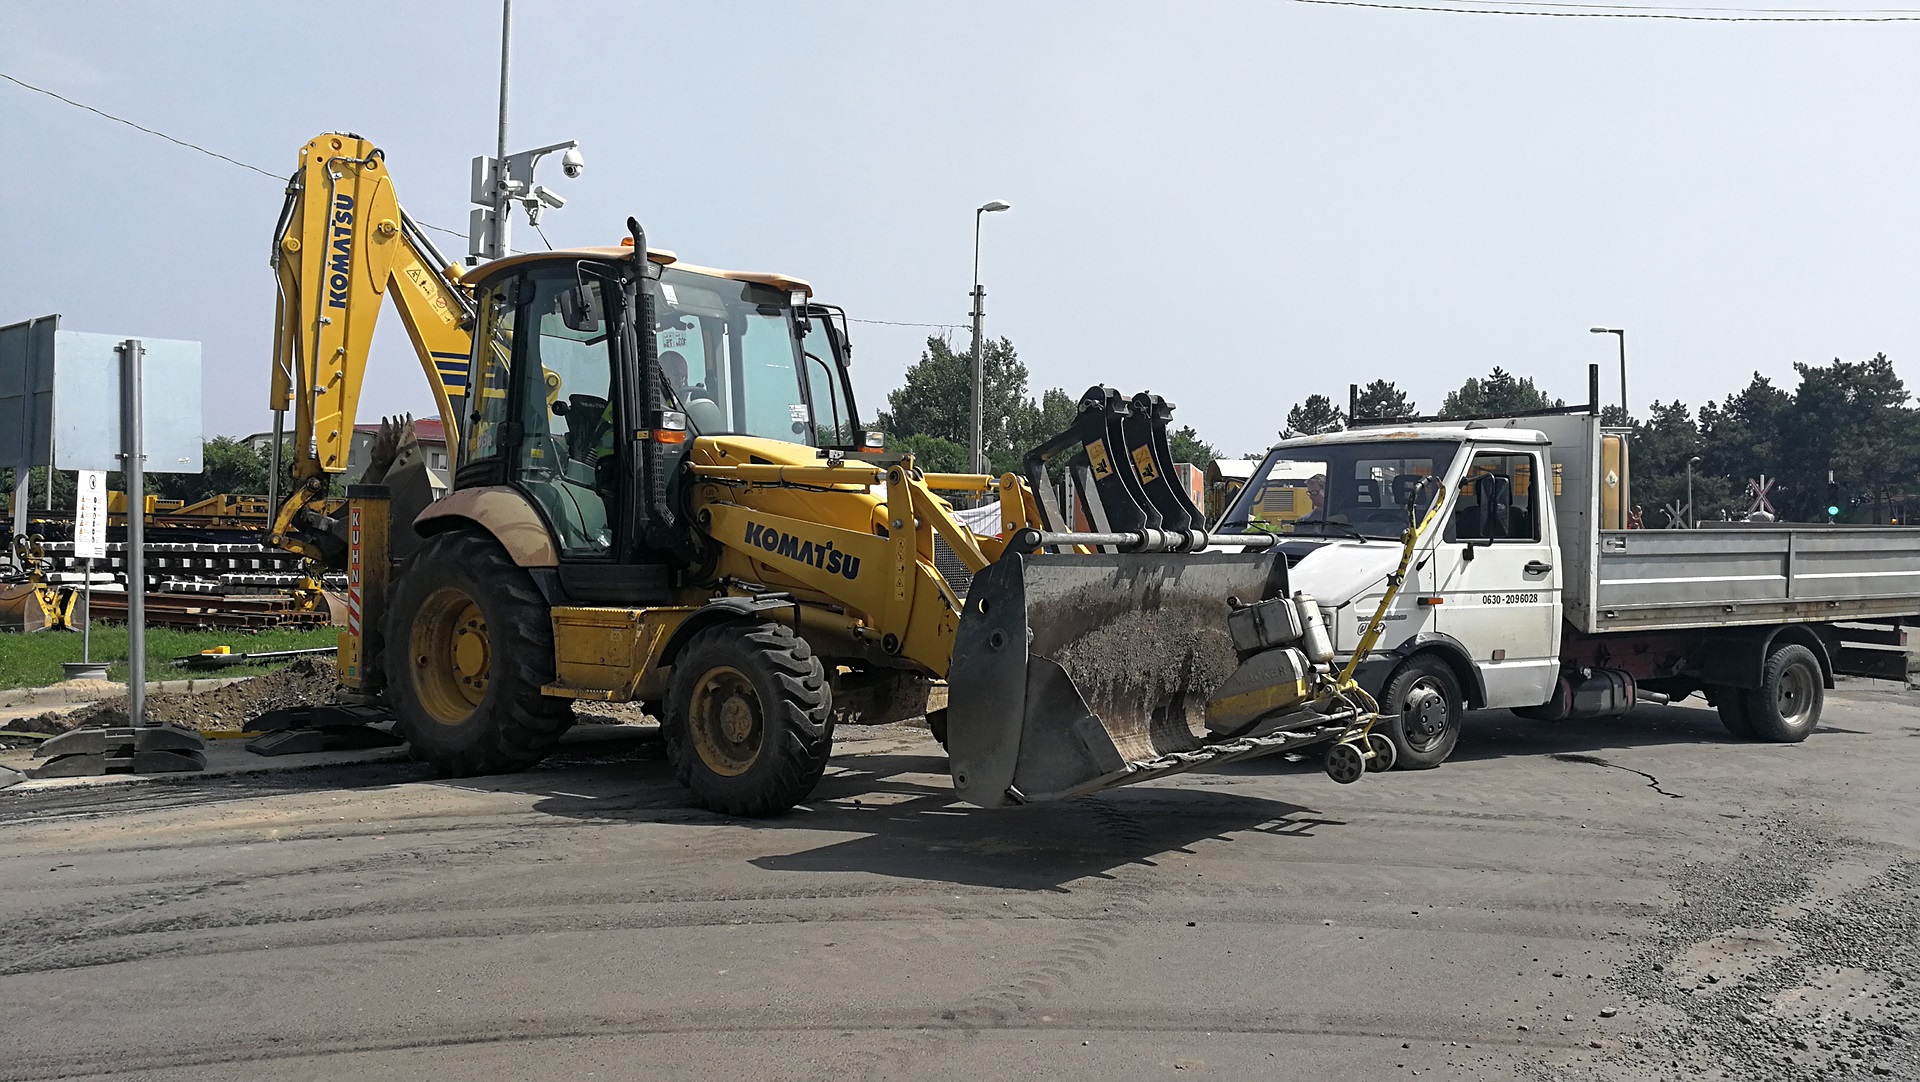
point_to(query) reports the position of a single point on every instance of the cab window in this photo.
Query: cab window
(568, 447)
(491, 372)
(1497, 499)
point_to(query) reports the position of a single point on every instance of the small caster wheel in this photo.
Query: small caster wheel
(1345, 764)
(1384, 754)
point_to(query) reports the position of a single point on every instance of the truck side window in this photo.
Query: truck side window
(1497, 500)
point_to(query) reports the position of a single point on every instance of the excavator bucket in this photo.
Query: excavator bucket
(1077, 672)
(22, 608)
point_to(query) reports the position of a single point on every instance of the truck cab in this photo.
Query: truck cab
(1484, 589)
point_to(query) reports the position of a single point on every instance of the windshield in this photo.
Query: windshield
(730, 354)
(1344, 490)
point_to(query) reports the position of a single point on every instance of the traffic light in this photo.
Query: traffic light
(1833, 499)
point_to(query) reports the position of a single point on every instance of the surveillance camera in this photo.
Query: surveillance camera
(571, 163)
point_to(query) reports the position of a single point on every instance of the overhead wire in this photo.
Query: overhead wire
(281, 180)
(1608, 11)
(897, 323)
(276, 178)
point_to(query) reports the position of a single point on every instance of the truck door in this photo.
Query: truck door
(1497, 575)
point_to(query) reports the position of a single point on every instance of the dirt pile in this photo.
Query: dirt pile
(306, 681)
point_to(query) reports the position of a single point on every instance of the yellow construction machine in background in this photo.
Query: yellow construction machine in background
(664, 494)
(28, 602)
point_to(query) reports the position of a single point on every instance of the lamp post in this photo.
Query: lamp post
(1692, 519)
(1623, 363)
(976, 436)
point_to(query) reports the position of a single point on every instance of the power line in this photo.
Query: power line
(137, 127)
(190, 146)
(1678, 7)
(896, 323)
(1604, 11)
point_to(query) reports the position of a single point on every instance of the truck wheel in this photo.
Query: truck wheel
(1420, 712)
(1787, 704)
(749, 719)
(469, 646)
(1732, 705)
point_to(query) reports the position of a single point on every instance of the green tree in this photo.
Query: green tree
(936, 398)
(1741, 437)
(1314, 416)
(1662, 444)
(1500, 393)
(1850, 418)
(931, 453)
(1189, 447)
(1383, 400)
(227, 465)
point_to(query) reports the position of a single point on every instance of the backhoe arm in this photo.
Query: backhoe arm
(342, 244)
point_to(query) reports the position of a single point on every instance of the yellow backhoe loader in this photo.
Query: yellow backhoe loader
(664, 494)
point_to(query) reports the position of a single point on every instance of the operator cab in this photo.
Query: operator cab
(557, 406)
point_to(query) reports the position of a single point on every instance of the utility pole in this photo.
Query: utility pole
(976, 433)
(502, 194)
(504, 179)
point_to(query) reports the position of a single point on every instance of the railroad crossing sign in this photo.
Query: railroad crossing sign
(1676, 513)
(1758, 491)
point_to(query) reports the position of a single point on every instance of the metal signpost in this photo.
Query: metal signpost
(133, 468)
(94, 433)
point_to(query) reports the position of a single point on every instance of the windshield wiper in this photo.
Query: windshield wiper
(1347, 526)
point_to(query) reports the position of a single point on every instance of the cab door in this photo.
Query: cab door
(1497, 576)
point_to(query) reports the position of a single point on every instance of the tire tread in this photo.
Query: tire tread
(804, 711)
(523, 725)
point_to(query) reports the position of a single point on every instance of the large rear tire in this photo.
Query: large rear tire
(469, 646)
(749, 719)
(1420, 712)
(1732, 705)
(1786, 706)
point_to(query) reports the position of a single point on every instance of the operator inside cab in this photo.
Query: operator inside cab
(673, 369)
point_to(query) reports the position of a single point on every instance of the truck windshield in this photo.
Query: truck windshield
(731, 354)
(1340, 489)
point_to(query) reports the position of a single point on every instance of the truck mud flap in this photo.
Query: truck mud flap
(1074, 673)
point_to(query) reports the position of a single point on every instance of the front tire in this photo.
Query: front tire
(1786, 706)
(749, 719)
(1421, 711)
(469, 646)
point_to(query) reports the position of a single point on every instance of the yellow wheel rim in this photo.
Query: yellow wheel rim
(726, 721)
(452, 658)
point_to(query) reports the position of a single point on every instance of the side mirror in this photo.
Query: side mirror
(577, 309)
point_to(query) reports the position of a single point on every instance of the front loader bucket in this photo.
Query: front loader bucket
(1073, 673)
(22, 608)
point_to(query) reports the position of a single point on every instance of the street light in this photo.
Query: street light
(1692, 519)
(1623, 363)
(976, 437)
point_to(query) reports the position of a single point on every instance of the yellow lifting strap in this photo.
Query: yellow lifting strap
(1409, 539)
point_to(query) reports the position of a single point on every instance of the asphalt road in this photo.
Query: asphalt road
(1637, 899)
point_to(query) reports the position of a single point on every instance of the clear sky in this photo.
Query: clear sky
(1235, 205)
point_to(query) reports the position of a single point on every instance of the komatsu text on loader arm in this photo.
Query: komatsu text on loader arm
(663, 493)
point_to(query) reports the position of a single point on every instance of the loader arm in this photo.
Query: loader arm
(342, 244)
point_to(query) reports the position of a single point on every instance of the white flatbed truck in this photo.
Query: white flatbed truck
(1529, 594)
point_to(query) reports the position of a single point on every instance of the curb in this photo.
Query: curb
(59, 696)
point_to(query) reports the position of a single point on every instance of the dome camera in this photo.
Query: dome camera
(571, 163)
